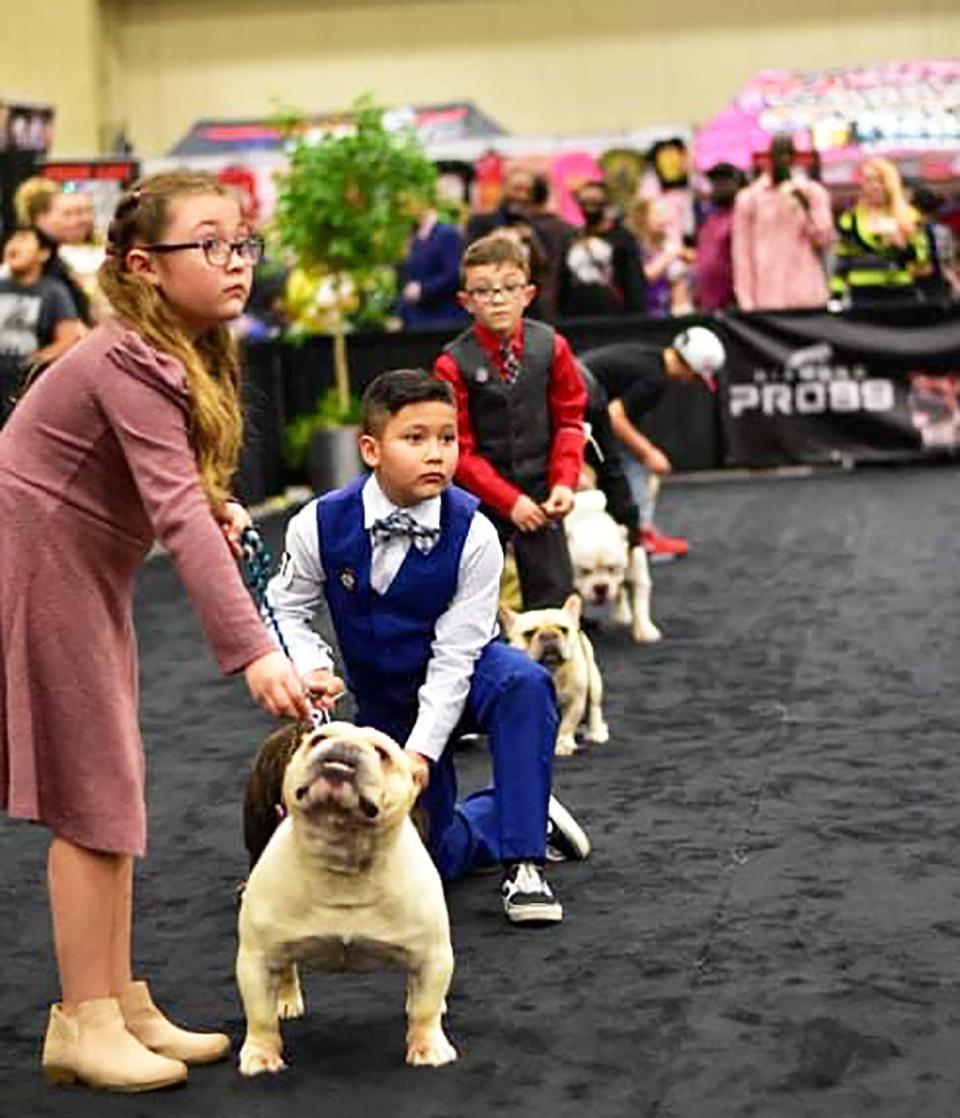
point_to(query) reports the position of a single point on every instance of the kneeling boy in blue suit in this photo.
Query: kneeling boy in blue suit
(411, 572)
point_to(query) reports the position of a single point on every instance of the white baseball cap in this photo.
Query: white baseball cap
(703, 351)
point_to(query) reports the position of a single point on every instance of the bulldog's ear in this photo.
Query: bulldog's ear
(507, 619)
(574, 607)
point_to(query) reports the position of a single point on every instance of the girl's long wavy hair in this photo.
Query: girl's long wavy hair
(211, 360)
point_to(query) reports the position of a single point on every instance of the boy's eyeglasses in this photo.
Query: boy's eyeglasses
(217, 251)
(488, 294)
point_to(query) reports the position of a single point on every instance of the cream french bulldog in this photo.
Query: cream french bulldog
(607, 572)
(344, 884)
(554, 639)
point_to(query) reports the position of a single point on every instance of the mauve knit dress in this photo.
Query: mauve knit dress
(94, 467)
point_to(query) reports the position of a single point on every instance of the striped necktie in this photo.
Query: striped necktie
(510, 362)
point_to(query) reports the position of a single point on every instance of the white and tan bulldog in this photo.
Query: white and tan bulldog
(344, 884)
(608, 573)
(553, 638)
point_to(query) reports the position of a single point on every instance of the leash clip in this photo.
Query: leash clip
(319, 717)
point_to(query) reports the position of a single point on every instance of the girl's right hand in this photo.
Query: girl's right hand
(275, 686)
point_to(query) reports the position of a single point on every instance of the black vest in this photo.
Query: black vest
(511, 422)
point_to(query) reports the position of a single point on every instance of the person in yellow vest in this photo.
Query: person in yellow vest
(882, 248)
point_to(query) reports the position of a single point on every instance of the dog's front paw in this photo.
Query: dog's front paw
(430, 1048)
(566, 745)
(646, 634)
(255, 1059)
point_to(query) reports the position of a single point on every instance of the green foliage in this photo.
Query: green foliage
(342, 203)
(327, 413)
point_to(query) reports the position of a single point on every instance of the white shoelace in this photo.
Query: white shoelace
(528, 879)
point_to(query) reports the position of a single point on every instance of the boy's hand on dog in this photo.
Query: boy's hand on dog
(421, 768)
(527, 515)
(323, 687)
(559, 503)
(275, 686)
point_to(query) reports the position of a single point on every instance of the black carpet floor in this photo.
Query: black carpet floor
(770, 924)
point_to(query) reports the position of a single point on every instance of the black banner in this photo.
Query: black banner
(814, 387)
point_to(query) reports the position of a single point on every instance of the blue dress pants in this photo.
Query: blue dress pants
(512, 700)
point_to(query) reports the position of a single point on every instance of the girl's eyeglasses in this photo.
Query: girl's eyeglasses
(217, 251)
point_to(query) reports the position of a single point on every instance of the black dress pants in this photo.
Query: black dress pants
(543, 562)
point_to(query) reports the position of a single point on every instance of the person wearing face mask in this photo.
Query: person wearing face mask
(601, 273)
(713, 271)
(782, 224)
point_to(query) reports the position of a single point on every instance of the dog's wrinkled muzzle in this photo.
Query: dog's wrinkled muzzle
(549, 650)
(336, 776)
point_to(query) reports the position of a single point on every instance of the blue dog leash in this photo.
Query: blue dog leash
(258, 561)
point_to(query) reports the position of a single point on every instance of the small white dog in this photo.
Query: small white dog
(607, 571)
(554, 639)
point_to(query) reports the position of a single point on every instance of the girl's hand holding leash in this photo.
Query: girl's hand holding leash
(233, 518)
(275, 686)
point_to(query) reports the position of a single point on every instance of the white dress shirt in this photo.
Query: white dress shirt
(461, 632)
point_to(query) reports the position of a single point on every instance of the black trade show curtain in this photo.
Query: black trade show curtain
(861, 386)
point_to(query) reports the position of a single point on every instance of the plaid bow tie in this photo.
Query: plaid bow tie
(401, 523)
(512, 365)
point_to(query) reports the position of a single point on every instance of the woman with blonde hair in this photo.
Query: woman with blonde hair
(882, 248)
(666, 260)
(41, 205)
(132, 436)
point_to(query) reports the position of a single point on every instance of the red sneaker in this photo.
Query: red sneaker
(662, 549)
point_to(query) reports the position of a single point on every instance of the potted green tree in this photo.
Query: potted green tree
(343, 214)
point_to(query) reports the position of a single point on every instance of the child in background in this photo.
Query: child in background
(520, 405)
(666, 260)
(411, 573)
(38, 320)
(130, 437)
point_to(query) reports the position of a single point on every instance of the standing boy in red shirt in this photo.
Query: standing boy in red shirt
(520, 405)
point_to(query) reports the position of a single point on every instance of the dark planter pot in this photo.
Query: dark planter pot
(333, 457)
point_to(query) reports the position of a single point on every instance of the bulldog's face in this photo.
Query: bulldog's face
(351, 775)
(599, 569)
(546, 635)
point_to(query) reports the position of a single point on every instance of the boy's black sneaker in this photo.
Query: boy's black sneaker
(527, 898)
(566, 840)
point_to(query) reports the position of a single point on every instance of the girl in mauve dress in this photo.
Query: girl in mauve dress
(131, 437)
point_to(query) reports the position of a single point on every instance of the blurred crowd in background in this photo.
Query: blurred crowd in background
(777, 241)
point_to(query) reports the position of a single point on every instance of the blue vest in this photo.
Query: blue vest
(385, 639)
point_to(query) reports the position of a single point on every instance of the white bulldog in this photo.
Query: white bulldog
(607, 572)
(344, 884)
(553, 638)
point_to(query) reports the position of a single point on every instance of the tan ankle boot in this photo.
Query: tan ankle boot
(92, 1046)
(151, 1028)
